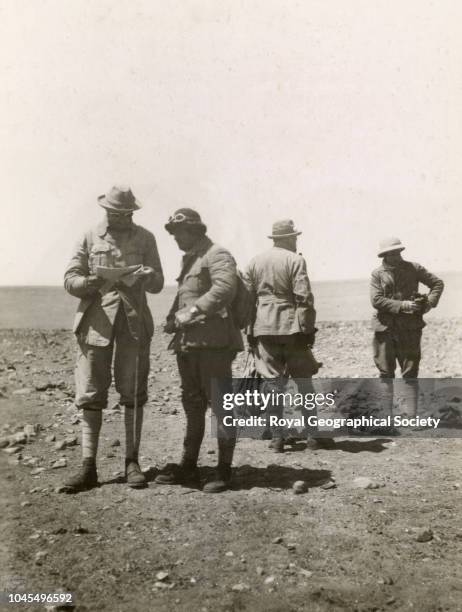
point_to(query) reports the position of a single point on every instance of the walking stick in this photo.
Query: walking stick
(137, 362)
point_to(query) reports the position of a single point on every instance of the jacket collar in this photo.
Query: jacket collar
(199, 248)
(391, 268)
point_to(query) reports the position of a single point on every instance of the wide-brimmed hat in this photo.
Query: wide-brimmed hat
(390, 244)
(284, 229)
(184, 216)
(119, 199)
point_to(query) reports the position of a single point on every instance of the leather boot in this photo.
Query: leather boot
(221, 481)
(277, 445)
(183, 473)
(133, 474)
(85, 479)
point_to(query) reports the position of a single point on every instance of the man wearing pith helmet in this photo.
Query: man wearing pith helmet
(113, 318)
(398, 320)
(205, 340)
(283, 331)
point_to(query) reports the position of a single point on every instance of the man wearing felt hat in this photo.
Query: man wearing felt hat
(205, 340)
(398, 320)
(283, 329)
(113, 318)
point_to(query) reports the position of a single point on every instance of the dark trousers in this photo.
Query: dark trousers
(197, 368)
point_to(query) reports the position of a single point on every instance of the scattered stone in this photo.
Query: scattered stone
(210, 452)
(59, 531)
(29, 354)
(240, 587)
(40, 556)
(305, 572)
(270, 580)
(162, 576)
(80, 530)
(173, 411)
(299, 487)
(26, 503)
(291, 546)
(115, 443)
(18, 438)
(424, 535)
(37, 471)
(329, 485)
(60, 445)
(127, 524)
(71, 441)
(31, 430)
(229, 553)
(75, 420)
(277, 540)
(60, 463)
(60, 489)
(260, 571)
(50, 438)
(362, 482)
(12, 450)
(44, 385)
(4, 442)
(24, 391)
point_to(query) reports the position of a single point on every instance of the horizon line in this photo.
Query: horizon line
(324, 280)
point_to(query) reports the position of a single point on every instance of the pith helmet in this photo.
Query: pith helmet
(390, 244)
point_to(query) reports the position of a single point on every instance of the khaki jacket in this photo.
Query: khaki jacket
(284, 303)
(390, 285)
(207, 280)
(96, 313)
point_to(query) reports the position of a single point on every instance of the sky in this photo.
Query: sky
(344, 115)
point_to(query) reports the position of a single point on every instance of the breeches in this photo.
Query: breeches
(401, 346)
(93, 371)
(279, 357)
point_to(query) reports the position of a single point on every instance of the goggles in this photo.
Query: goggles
(178, 218)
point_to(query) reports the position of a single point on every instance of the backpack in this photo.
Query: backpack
(242, 306)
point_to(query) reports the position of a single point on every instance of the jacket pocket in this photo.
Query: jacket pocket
(101, 255)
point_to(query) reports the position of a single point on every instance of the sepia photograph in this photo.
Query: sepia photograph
(230, 305)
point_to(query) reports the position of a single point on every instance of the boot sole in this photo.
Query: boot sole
(69, 490)
(138, 485)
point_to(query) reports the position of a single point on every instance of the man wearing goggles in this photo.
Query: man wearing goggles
(205, 341)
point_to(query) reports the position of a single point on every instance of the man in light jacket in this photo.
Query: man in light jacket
(112, 317)
(398, 320)
(283, 329)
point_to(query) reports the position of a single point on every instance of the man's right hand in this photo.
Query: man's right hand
(409, 307)
(94, 283)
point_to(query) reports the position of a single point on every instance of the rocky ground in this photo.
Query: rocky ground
(376, 528)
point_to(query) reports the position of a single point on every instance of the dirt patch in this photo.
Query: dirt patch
(257, 547)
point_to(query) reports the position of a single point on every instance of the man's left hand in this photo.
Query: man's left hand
(143, 273)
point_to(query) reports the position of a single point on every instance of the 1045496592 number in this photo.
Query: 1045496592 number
(61, 598)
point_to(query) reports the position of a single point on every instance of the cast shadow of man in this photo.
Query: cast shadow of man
(273, 476)
(360, 446)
